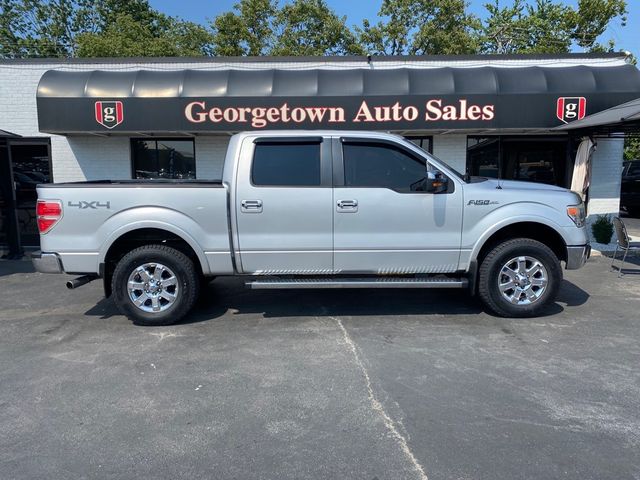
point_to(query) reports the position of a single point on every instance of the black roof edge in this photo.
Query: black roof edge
(303, 59)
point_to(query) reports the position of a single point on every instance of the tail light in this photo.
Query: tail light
(49, 213)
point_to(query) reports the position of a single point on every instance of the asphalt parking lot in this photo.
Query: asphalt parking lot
(367, 384)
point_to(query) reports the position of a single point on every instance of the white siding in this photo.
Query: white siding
(210, 152)
(452, 149)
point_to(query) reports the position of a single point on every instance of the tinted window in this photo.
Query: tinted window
(286, 164)
(634, 169)
(163, 158)
(377, 165)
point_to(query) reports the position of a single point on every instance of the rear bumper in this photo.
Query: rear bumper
(577, 256)
(46, 262)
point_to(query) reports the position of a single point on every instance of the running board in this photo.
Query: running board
(277, 283)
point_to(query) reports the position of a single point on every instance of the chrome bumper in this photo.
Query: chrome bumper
(577, 256)
(46, 262)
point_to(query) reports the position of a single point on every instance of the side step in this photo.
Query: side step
(277, 283)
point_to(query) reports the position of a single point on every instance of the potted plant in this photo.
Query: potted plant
(602, 229)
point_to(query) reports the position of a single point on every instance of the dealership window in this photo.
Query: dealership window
(163, 158)
(532, 159)
(425, 143)
(286, 164)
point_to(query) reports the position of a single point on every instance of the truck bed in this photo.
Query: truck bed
(96, 213)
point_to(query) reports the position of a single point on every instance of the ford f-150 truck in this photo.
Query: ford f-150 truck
(314, 209)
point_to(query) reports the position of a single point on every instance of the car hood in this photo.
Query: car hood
(518, 185)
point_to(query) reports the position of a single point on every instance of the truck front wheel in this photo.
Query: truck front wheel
(519, 278)
(155, 285)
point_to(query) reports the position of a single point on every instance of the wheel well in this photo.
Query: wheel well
(535, 231)
(137, 238)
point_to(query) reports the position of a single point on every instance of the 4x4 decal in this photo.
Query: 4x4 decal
(83, 204)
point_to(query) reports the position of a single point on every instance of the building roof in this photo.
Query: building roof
(347, 61)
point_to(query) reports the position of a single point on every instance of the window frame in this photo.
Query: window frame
(325, 158)
(132, 140)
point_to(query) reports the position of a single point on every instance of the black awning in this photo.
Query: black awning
(620, 118)
(378, 98)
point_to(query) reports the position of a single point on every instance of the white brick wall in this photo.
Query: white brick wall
(606, 171)
(90, 158)
(210, 152)
(452, 149)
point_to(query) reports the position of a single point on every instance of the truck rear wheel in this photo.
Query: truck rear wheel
(155, 285)
(519, 278)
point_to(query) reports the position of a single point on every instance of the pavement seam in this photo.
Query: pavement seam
(378, 407)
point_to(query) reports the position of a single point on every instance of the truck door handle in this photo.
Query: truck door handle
(347, 205)
(251, 206)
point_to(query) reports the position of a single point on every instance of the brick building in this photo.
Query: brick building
(86, 119)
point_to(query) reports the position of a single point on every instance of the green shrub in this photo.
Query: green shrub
(602, 229)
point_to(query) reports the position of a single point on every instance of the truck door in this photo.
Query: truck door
(284, 206)
(383, 223)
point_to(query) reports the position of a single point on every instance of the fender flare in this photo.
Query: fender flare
(487, 234)
(158, 225)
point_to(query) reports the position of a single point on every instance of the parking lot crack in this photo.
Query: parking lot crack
(377, 406)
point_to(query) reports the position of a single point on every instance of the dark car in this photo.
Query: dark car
(630, 192)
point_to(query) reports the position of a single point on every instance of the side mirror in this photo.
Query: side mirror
(436, 182)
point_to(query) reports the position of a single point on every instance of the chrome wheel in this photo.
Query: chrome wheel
(153, 287)
(523, 280)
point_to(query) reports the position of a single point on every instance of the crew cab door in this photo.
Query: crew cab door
(383, 223)
(284, 206)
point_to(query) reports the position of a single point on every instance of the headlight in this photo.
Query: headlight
(577, 213)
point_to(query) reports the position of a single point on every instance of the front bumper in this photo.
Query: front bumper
(46, 262)
(577, 256)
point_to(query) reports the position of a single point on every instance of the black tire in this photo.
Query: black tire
(490, 275)
(181, 266)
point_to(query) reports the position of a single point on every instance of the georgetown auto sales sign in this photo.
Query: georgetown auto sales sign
(434, 110)
(233, 114)
(483, 99)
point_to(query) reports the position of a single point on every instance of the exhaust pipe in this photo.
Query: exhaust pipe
(78, 282)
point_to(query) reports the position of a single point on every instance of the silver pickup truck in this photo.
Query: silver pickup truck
(314, 209)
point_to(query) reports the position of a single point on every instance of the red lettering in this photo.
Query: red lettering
(433, 108)
(364, 114)
(475, 112)
(298, 115)
(316, 114)
(200, 116)
(410, 113)
(273, 115)
(258, 120)
(488, 112)
(215, 115)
